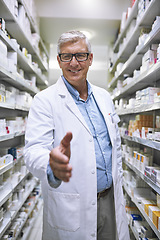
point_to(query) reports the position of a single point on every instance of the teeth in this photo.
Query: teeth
(74, 71)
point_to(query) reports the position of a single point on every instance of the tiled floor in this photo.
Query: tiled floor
(36, 230)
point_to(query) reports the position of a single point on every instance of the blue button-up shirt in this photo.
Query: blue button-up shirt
(95, 121)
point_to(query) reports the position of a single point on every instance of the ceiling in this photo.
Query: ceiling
(101, 18)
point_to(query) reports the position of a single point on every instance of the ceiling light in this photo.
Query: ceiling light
(87, 33)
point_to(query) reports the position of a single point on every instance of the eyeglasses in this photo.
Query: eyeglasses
(67, 57)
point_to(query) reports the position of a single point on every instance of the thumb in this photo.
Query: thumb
(65, 142)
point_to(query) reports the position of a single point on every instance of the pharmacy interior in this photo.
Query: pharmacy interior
(133, 73)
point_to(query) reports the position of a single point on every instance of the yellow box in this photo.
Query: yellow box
(155, 218)
(146, 207)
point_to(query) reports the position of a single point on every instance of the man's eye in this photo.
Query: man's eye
(66, 56)
(80, 55)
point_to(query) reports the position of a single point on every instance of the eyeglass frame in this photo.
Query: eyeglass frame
(74, 55)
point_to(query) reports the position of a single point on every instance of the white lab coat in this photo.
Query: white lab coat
(70, 210)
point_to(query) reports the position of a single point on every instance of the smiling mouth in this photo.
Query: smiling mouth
(74, 71)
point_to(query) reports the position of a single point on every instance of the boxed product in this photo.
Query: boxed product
(135, 217)
(155, 176)
(145, 160)
(156, 218)
(152, 209)
(148, 170)
(146, 203)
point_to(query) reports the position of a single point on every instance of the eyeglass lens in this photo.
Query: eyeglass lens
(67, 57)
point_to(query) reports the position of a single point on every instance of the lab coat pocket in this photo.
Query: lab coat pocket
(64, 210)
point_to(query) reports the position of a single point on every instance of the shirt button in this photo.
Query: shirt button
(93, 171)
(90, 139)
(93, 203)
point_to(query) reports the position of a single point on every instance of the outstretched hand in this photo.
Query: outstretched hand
(59, 159)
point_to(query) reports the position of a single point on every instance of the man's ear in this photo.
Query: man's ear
(59, 61)
(90, 59)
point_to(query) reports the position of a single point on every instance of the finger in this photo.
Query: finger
(61, 167)
(66, 140)
(63, 176)
(57, 156)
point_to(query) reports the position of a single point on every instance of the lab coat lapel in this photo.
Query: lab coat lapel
(105, 112)
(69, 102)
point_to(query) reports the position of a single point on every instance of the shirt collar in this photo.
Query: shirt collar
(73, 91)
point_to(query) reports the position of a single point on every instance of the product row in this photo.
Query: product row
(20, 63)
(147, 202)
(140, 227)
(142, 127)
(10, 155)
(146, 96)
(18, 211)
(14, 97)
(26, 18)
(133, 22)
(143, 160)
(12, 125)
(150, 60)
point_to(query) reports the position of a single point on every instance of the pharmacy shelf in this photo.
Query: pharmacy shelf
(32, 22)
(27, 232)
(29, 68)
(9, 188)
(8, 42)
(3, 228)
(16, 209)
(146, 20)
(129, 66)
(132, 16)
(29, 212)
(12, 213)
(136, 235)
(22, 108)
(145, 142)
(6, 137)
(128, 48)
(13, 107)
(135, 60)
(6, 193)
(148, 77)
(138, 205)
(16, 80)
(17, 32)
(15, 184)
(147, 218)
(142, 176)
(138, 109)
(34, 25)
(11, 136)
(6, 105)
(6, 167)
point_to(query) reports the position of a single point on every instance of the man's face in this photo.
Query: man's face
(74, 71)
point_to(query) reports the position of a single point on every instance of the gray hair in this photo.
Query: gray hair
(72, 36)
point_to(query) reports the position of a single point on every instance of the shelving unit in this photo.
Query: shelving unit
(19, 178)
(145, 21)
(138, 205)
(131, 54)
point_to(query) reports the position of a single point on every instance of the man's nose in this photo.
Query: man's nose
(74, 60)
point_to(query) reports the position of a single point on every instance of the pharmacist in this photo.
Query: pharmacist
(73, 147)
